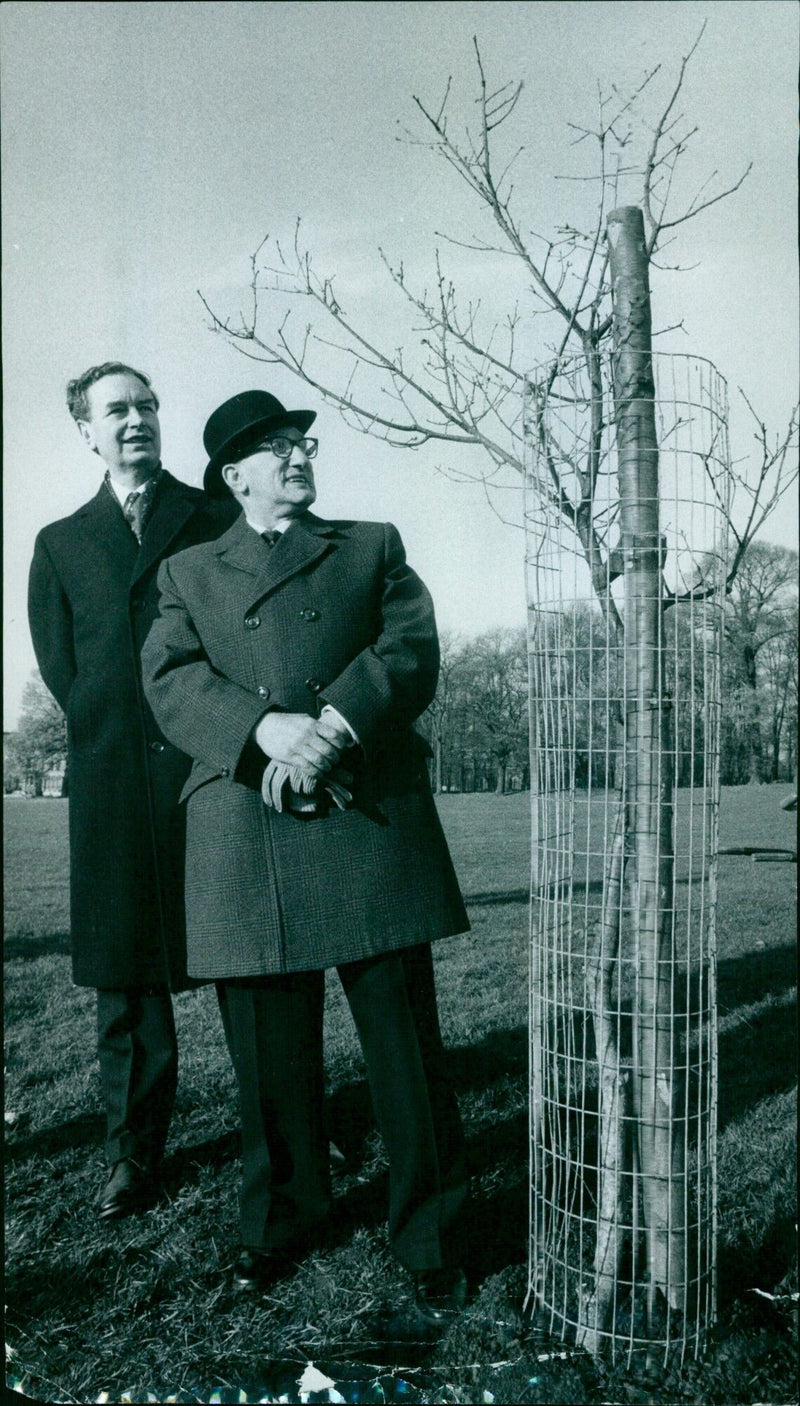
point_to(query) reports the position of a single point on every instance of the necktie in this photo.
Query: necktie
(271, 538)
(136, 508)
(133, 514)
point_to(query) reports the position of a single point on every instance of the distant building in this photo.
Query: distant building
(54, 780)
(31, 780)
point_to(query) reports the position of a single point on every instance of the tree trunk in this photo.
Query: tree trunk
(437, 755)
(596, 1309)
(648, 768)
(755, 747)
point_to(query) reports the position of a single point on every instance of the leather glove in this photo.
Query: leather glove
(336, 784)
(285, 787)
(280, 781)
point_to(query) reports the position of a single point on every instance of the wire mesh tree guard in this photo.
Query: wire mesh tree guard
(626, 587)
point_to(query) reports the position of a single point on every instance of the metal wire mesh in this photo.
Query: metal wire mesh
(622, 951)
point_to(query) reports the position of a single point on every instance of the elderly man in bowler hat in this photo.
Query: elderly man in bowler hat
(290, 660)
(92, 599)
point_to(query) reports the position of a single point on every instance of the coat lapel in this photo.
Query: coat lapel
(305, 541)
(102, 519)
(172, 508)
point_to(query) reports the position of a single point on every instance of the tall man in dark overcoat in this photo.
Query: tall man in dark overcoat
(92, 599)
(290, 659)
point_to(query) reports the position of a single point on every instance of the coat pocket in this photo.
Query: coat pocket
(199, 775)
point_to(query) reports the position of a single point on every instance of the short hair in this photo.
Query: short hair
(77, 402)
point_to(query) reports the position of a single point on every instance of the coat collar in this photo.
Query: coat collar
(308, 538)
(174, 504)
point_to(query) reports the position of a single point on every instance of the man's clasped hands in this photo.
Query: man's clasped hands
(303, 760)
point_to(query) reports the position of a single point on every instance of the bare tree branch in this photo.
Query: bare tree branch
(775, 474)
(456, 378)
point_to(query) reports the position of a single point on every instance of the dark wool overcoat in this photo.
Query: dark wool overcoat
(92, 598)
(331, 614)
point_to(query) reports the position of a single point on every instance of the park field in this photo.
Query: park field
(141, 1310)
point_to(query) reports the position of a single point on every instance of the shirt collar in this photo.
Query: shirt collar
(282, 525)
(121, 492)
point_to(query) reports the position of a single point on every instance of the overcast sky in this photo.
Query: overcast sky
(148, 148)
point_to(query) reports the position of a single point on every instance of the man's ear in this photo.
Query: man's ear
(87, 434)
(231, 475)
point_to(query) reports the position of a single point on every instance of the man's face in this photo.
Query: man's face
(270, 487)
(123, 425)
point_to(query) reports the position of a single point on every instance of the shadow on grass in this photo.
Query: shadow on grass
(756, 975)
(493, 899)
(580, 890)
(764, 1260)
(496, 1217)
(476, 1066)
(87, 1129)
(503, 1053)
(43, 945)
(182, 1165)
(496, 1220)
(758, 1057)
(756, 1060)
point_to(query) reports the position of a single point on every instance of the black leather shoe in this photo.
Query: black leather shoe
(440, 1295)
(130, 1187)
(256, 1270)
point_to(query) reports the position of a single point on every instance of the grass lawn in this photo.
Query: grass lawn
(142, 1310)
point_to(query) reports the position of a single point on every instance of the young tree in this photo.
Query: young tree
(457, 379)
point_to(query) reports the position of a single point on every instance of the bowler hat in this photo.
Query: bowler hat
(239, 422)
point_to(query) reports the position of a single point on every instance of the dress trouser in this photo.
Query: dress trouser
(274, 1027)
(138, 1055)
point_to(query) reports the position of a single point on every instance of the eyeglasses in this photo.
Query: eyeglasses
(282, 447)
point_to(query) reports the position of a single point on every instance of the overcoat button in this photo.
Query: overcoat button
(313, 685)
(224, 771)
(262, 691)
(156, 746)
(252, 622)
(309, 613)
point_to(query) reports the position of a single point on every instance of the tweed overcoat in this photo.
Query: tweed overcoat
(331, 614)
(92, 598)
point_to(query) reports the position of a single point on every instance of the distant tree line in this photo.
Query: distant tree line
(759, 684)
(477, 725)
